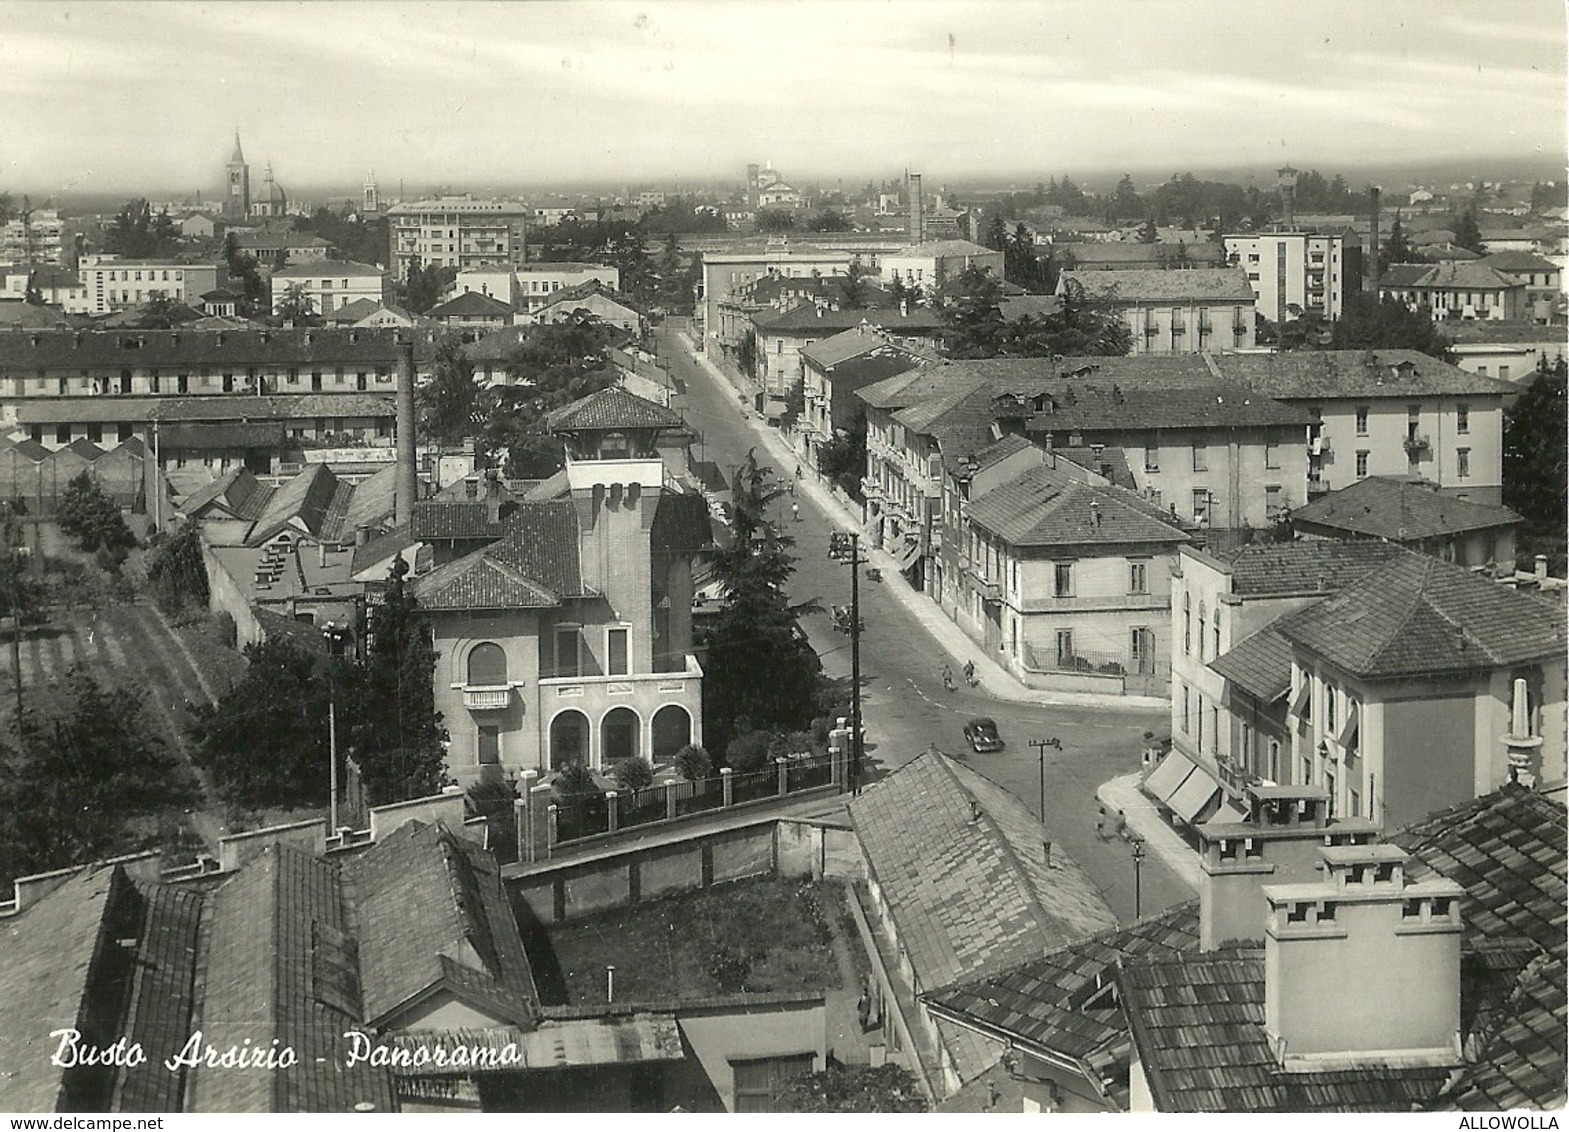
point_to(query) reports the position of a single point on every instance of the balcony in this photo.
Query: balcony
(477, 697)
(1178, 326)
(1239, 328)
(1417, 443)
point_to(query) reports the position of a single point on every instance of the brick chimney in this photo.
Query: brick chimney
(917, 210)
(1362, 968)
(1278, 842)
(407, 481)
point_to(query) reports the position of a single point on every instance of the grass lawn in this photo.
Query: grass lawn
(752, 935)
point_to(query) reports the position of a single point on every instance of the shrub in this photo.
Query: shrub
(749, 752)
(793, 743)
(576, 780)
(227, 632)
(634, 774)
(729, 965)
(693, 763)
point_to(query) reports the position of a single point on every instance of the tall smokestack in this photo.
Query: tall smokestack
(1373, 254)
(404, 492)
(917, 211)
(1288, 196)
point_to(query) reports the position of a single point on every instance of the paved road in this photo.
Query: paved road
(904, 702)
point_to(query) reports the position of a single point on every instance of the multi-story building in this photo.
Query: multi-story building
(460, 232)
(781, 337)
(537, 282)
(926, 265)
(1175, 312)
(1455, 290)
(499, 283)
(726, 271)
(1387, 413)
(329, 284)
(569, 639)
(1292, 270)
(35, 238)
(1542, 278)
(268, 244)
(832, 370)
(114, 284)
(56, 286)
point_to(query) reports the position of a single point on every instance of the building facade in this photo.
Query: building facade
(1175, 312)
(329, 284)
(1292, 269)
(115, 284)
(537, 282)
(460, 232)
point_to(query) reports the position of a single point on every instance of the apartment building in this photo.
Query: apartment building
(1175, 312)
(37, 237)
(1455, 290)
(927, 264)
(1292, 270)
(329, 284)
(537, 282)
(114, 284)
(457, 231)
(726, 270)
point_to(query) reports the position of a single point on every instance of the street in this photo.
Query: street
(905, 705)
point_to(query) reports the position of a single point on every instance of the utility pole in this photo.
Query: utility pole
(1040, 746)
(1138, 861)
(332, 754)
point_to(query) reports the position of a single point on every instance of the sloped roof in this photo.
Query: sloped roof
(682, 524)
(238, 491)
(352, 311)
(1260, 665)
(1518, 261)
(327, 267)
(454, 519)
(251, 346)
(806, 318)
(1400, 510)
(214, 436)
(1045, 507)
(281, 963)
(1223, 284)
(1416, 615)
(464, 921)
(163, 997)
(591, 287)
(15, 314)
(1307, 566)
(534, 566)
(470, 304)
(1401, 275)
(945, 248)
(308, 497)
(1198, 1022)
(374, 500)
(1324, 374)
(381, 548)
(968, 893)
(859, 339)
(612, 408)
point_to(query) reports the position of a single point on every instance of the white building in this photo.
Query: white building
(456, 232)
(114, 284)
(536, 282)
(329, 283)
(499, 282)
(40, 239)
(1292, 269)
(925, 265)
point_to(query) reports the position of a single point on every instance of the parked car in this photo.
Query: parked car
(981, 735)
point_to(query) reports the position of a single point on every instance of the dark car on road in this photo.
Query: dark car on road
(981, 735)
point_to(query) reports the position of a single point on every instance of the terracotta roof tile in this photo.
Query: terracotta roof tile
(612, 408)
(1260, 665)
(1308, 566)
(1306, 375)
(1399, 510)
(1222, 284)
(1043, 506)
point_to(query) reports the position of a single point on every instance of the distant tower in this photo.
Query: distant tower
(237, 201)
(917, 214)
(372, 196)
(1288, 195)
(273, 201)
(751, 186)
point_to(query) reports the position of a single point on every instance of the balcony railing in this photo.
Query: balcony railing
(1239, 328)
(482, 698)
(1417, 442)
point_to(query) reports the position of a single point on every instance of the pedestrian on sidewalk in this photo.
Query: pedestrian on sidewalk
(795, 511)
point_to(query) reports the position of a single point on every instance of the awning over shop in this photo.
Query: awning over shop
(1183, 786)
(1171, 772)
(908, 555)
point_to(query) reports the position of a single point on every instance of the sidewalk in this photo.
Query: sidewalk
(1122, 795)
(995, 680)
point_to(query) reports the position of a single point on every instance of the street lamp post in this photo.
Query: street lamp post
(1040, 746)
(1138, 861)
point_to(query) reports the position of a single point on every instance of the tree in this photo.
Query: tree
(90, 515)
(1148, 234)
(1125, 202)
(1468, 233)
(971, 305)
(1020, 266)
(693, 763)
(996, 237)
(829, 220)
(633, 775)
(853, 1088)
(424, 283)
(176, 574)
(296, 307)
(398, 730)
(761, 673)
(1368, 323)
(852, 289)
(265, 741)
(448, 401)
(74, 780)
(1536, 457)
(1085, 325)
(1397, 249)
(775, 220)
(135, 233)
(843, 457)
(247, 270)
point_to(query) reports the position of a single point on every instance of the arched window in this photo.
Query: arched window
(672, 730)
(618, 736)
(568, 739)
(487, 666)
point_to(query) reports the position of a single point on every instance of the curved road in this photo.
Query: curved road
(905, 705)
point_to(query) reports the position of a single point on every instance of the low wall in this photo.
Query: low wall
(556, 891)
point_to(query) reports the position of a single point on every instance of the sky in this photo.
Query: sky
(107, 97)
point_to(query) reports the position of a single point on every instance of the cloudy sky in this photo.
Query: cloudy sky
(101, 96)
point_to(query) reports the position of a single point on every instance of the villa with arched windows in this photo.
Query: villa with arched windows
(569, 638)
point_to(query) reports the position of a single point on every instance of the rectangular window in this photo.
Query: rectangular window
(1063, 579)
(1151, 458)
(489, 744)
(616, 644)
(1463, 462)
(123, 431)
(1138, 578)
(62, 434)
(1361, 420)
(1014, 575)
(1185, 710)
(1272, 456)
(568, 652)
(95, 432)
(1362, 463)
(1463, 417)
(1200, 458)
(1064, 647)
(1274, 499)
(1200, 505)
(1503, 373)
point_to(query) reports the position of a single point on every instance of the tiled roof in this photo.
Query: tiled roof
(945, 248)
(237, 491)
(534, 566)
(454, 519)
(1224, 284)
(28, 448)
(1015, 307)
(307, 497)
(1306, 566)
(374, 500)
(1400, 510)
(324, 268)
(1417, 616)
(468, 305)
(74, 350)
(1260, 665)
(612, 408)
(914, 386)
(806, 318)
(1198, 1025)
(1094, 253)
(381, 548)
(211, 407)
(163, 997)
(590, 287)
(1307, 375)
(1043, 506)
(18, 315)
(1088, 404)
(852, 343)
(1460, 275)
(968, 892)
(1522, 1066)
(280, 963)
(352, 311)
(1403, 275)
(46, 976)
(464, 937)
(214, 436)
(1517, 261)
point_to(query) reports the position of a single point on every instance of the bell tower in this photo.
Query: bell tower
(237, 196)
